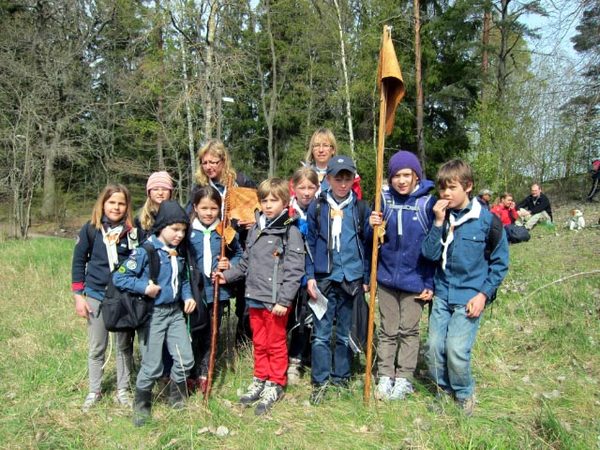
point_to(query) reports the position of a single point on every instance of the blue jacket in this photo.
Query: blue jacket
(134, 275)
(319, 263)
(196, 246)
(468, 272)
(401, 264)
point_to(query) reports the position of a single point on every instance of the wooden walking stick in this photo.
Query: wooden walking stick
(391, 89)
(214, 322)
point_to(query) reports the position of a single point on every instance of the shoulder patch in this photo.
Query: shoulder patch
(131, 264)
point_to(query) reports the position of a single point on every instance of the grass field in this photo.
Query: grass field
(536, 362)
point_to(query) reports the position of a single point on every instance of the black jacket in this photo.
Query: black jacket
(536, 205)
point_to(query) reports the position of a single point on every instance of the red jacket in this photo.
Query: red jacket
(507, 216)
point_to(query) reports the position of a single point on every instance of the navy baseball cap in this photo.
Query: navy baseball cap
(339, 163)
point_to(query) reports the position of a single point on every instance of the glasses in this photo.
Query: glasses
(316, 146)
(211, 163)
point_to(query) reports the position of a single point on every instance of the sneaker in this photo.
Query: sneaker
(123, 398)
(402, 388)
(91, 399)
(253, 393)
(294, 371)
(467, 405)
(270, 395)
(384, 388)
(318, 393)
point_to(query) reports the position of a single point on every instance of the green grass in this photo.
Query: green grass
(536, 363)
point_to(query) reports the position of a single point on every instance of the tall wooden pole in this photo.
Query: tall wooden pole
(375, 251)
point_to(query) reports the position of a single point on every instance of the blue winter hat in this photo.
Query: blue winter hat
(404, 160)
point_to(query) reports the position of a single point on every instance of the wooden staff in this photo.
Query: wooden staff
(375, 251)
(215, 310)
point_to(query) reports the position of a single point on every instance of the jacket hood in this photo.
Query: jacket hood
(424, 187)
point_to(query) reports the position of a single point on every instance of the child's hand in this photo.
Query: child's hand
(224, 264)
(152, 290)
(189, 305)
(82, 309)
(475, 306)
(426, 295)
(365, 288)
(279, 310)
(311, 288)
(439, 209)
(219, 277)
(375, 218)
(247, 224)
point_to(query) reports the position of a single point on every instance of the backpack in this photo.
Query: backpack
(420, 207)
(516, 234)
(596, 165)
(125, 311)
(361, 206)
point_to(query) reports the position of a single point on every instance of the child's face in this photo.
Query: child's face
(207, 211)
(271, 206)
(159, 195)
(115, 207)
(457, 196)
(404, 181)
(341, 183)
(305, 192)
(173, 234)
(322, 150)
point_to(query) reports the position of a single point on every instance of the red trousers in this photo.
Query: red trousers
(269, 339)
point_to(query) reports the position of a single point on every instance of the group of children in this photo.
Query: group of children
(302, 248)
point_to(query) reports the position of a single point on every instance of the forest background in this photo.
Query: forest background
(93, 91)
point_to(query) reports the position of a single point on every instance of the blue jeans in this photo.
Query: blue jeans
(448, 349)
(339, 308)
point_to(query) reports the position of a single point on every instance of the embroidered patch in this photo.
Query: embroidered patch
(122, 269)
(131, 264)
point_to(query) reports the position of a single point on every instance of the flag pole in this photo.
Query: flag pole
(375, 251)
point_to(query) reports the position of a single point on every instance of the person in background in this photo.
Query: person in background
(485, 197)
(534, 208)
(506, 209)
(159, 188)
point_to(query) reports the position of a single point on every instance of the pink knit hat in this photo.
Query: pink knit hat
(159, 180)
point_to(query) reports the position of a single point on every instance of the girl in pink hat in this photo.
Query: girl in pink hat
(158, 189)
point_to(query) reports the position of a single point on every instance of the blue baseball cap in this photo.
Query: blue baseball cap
(339, 163)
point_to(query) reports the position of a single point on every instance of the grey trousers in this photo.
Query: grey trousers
(98, 342)
(167, 322)
(398, 346)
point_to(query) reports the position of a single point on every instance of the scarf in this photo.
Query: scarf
(174, 268)
(110, 237)
(337, 215)
(264, 223)
(206, 251)
(472, 214)
(297, 208)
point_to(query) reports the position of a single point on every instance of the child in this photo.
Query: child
(465, 277)
(205, 248)
(340, 271)
(103, 242)
(273, 264)
(304, 183)
(167, 321)
(158, 189)
(404, 277)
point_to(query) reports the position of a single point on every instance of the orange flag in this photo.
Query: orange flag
(389, 74)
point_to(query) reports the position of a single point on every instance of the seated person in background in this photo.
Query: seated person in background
(534, 208)
(506, 209)
(484, 197)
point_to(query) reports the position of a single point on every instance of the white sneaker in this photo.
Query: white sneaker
(293, 372)
(91, 399)
(384, 388)
(402, 388)
(123, 398)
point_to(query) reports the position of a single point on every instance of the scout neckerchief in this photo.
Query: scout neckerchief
(337, 215)
(298, 208)
(110, 237)
(174, 268)
(206, 251)
(472, 214)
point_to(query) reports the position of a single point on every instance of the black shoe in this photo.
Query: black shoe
(253, 393)
(177, 394)
(270, 395)
(142, 407)
(318, 393)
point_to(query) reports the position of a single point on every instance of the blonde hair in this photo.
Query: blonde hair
(305, 173)
(107, 192)
(148, 214)
(320, 132)
(276, 187)
(216, 148)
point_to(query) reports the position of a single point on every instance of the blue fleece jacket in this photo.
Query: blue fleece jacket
(467, 272)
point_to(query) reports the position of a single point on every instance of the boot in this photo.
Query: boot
(142, 407)
(177, 395)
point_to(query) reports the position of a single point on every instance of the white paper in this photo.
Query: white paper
(319, 306)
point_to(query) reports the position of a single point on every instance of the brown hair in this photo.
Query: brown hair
(455, 170)
(320, 132)
(107, 192)
(216, 148)
(506, 194)
(205, 192)
(305, 173)
(276, 187)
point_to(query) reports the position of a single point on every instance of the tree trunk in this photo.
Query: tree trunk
(419, 83)
(188, 109)
(159, 106)
(49, 192)
(503, 51)
(211, 27)
(485, 40)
